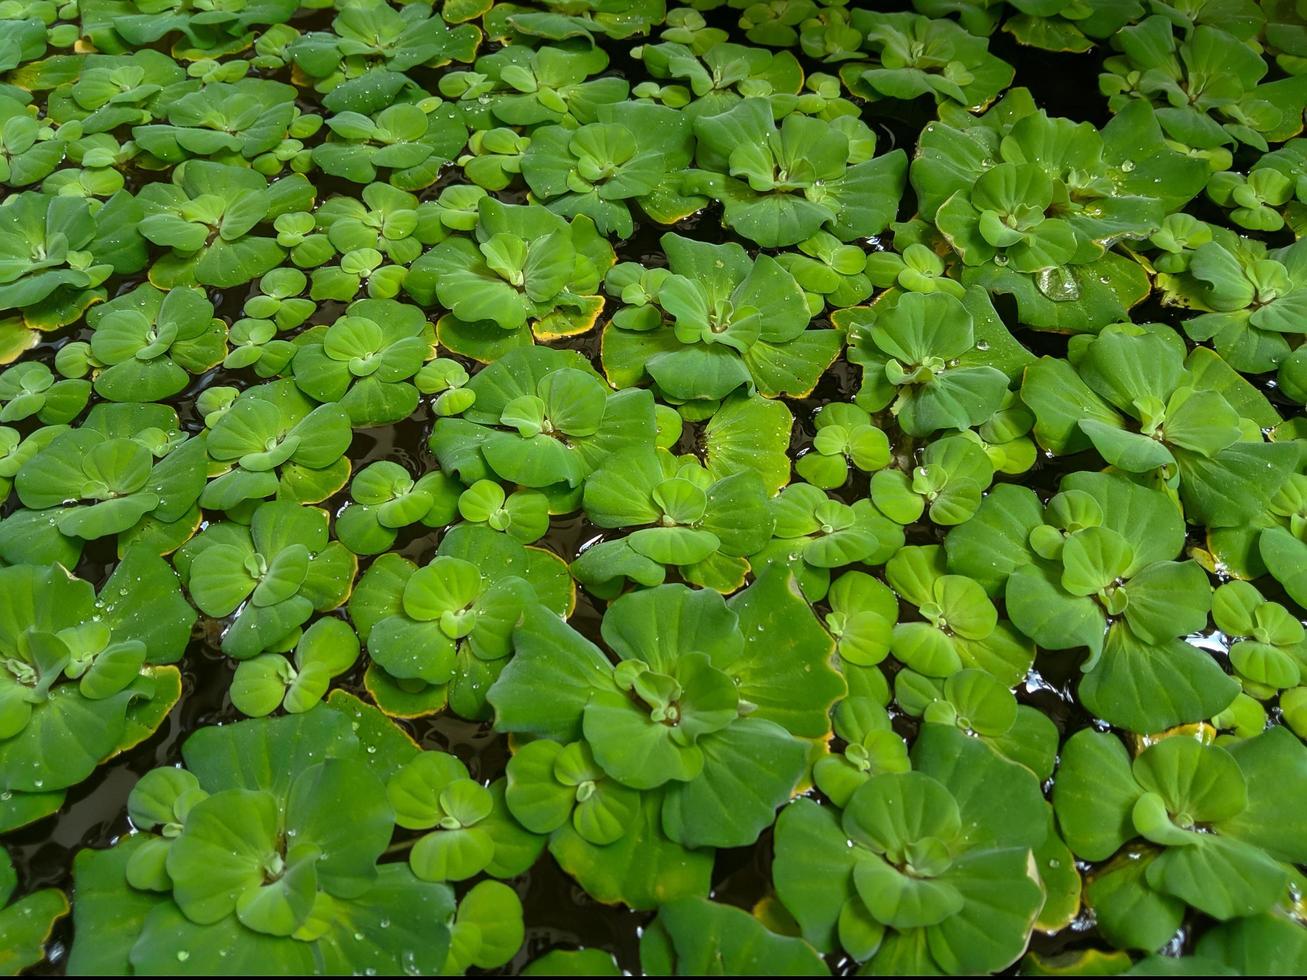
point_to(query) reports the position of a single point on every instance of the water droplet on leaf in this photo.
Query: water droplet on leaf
(1058, 284)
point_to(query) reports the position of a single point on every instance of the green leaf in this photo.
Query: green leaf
(813, 869)
(27, 923)
(1224, 878)
(230, 839)
(696, 936)
(487, 929)
(573, 962)
(1001, 897)
(1151, 687)
(749, 769)
(642, 869)
(1286, 558)
(108, 906)
(549, 655)
(1131, 913)
(1094, 794)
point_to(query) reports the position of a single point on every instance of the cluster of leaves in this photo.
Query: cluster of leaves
(618, 386)
(688, 742)
(261, 855)
(84, 676)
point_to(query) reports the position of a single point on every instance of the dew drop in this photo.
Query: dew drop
(1057, 284)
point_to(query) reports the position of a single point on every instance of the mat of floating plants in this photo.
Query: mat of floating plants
(600, 486)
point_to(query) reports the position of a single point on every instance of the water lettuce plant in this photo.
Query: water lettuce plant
(937, 361)
(409, 142)
(610, 487)
(1081, 572)
(441, 633)
(273, 441)
(57, 251)
(633, 151)
(1030, 204)
(273, 573)
(149, 343)
(521, 85)
(225, 121)
(959, 628)
(365, 360)
(30, 388)
(924, 870)
(1247, 297)
(702, 527)
(950, 479)
(542, 418)
(695, 716)
(525, 271)
(815, 533)
(708, 73)
(371, 36)
(127, 471)
(1267, 652)
(470, 828)
(385, 499)
(239, 856)
(209, 216)
(1136, 396)
(1207, 85)
(261, 684)
(1238, 864)
(913, 55)
(701, 336)
(1052, 26)
(781, 183)
(845, 437)
(84, 676)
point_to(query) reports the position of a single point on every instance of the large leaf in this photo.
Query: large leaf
(693, 936)
(643, 869)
